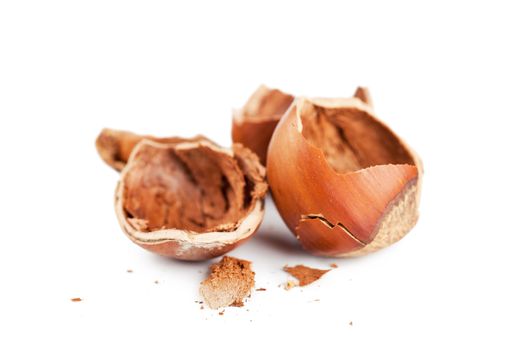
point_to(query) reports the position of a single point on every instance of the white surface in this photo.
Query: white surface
(446, 77)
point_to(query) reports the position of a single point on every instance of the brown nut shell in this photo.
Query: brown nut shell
(342, 181)
(363, 94)
(115, 146)
(254, 124)
(190, 200)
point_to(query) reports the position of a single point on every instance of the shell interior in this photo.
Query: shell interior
(351, 139)
(194, 187)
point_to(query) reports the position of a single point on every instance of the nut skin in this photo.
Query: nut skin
(335, 214)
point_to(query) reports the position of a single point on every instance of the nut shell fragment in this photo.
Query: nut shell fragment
(342, 181)
(363, 94)
(304, 274)
(115, 146)
(190, 200)
(254, 124)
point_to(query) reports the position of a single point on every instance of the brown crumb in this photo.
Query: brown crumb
(351, 323)
(129, 271)
(230, 281)
(261, 289)
(201, 307)
(305, 274)
(221, 313)
(333, 265)
(75, 300)
(156, 282)
(238, 304)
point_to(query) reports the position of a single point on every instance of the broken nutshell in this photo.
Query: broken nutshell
(363, 94)
(229, 283)
(254, 124)
(115, 146)
(304, 274)
(343, 182)
(190, 200)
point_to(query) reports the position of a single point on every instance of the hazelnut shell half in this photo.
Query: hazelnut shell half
(190, 200)
(343, 182)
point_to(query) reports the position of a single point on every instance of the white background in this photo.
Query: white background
(447, 77)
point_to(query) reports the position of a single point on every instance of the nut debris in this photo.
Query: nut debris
(289, 285)
(230, 281)
(304, 274)
(363, 94)
(75, 300)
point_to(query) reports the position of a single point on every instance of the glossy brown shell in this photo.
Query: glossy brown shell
(255, 135)
(254, 124)
(339, 214)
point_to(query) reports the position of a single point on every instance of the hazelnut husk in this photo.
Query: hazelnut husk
(115, 146)
(343, 182)
(254, 124)
(190, 200)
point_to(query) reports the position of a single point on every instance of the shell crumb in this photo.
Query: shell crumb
(304, 274)
(230, 282)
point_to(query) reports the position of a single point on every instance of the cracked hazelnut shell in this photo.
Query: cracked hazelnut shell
(115, 146)
(343, 182)
(254, 124)
(190, 200)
